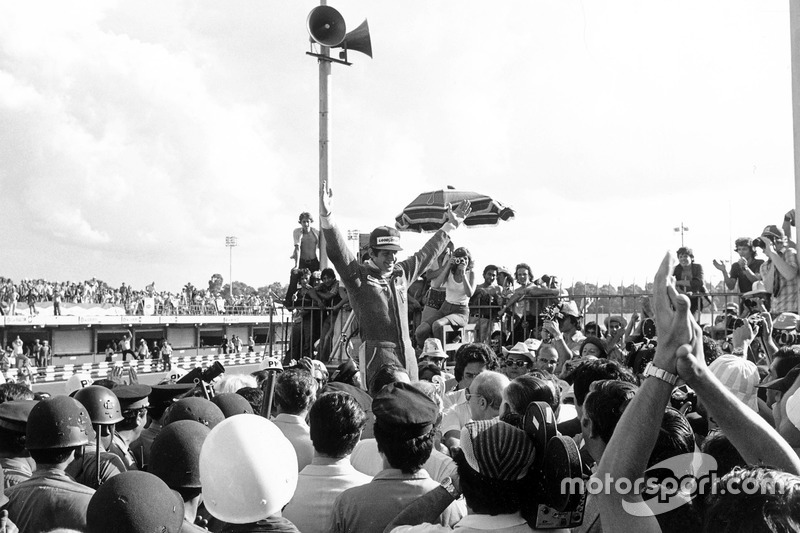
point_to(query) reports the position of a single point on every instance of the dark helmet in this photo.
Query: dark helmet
(197, 409)
(175, 454)
(60, 422)
(101, 403)
(135, 502)
(231, 404)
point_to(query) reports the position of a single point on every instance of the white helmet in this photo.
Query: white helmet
(248, 469)
(77, 381)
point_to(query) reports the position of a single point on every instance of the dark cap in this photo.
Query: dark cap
(773, 231)
(175, 454)
(14, 415)
(784, 383)
(385, 238)
(404, 410)
(197, 409)
(135, 502)
(163, 395)
(132, 396)
(231, 404)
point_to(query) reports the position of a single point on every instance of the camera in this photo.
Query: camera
(733, 322)
(550, 313)
(640, 354)
(681, 396)
(649, 328)
(751, 303)
(759, 242)
(788, 337)
(461, 260)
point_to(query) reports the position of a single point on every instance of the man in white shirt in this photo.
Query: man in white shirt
(295, 392)
(336, 421)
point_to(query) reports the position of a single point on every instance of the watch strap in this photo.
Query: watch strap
(660, 373)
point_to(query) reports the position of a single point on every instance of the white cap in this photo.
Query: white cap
(793, 409)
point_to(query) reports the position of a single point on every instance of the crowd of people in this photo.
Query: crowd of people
(22, 298)
(650, 423)
(484, 445)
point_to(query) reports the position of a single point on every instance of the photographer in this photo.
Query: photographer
(780, 271)
(459, 284)
(564, 333)
(746, 270)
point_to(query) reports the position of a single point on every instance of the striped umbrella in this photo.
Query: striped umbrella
(428, 211)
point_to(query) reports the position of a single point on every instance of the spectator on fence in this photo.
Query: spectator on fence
(745, 271)
(485, 304)
(327, 290)
(780, 272)
(689, 279)
(459, 283)
(527, 302)
(306, 320)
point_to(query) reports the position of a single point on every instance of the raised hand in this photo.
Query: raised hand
(459, 214)
(674, 323)
(325, 196)
(719, 265)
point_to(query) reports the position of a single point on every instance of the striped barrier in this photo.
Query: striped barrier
(145, 366)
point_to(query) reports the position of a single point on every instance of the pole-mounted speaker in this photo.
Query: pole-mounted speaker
(326, 26)
(358, 40)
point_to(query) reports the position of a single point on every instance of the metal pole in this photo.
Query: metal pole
(794, 27)
(324, 153)
(230, 272)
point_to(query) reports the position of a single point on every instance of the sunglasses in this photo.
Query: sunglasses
(518, 364)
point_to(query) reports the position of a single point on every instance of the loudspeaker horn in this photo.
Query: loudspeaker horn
(326, 26)
(358, 40)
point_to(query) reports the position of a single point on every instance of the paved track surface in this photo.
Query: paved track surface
(58, 387)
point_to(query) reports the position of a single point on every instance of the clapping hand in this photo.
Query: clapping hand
(675, 325)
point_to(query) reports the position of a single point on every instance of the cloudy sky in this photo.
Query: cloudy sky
(135, 136)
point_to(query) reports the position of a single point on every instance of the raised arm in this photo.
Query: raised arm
(729, 281)
(756, 440)
(335, 244)
(441, 278)
(635, 436)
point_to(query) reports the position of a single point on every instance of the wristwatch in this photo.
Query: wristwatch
(660, 373)
(447, 484)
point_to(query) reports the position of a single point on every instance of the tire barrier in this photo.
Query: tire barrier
(145, 366)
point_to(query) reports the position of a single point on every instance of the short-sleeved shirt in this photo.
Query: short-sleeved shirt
(318, 486)
(737, 273)
(371, 507)
(785, 301)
